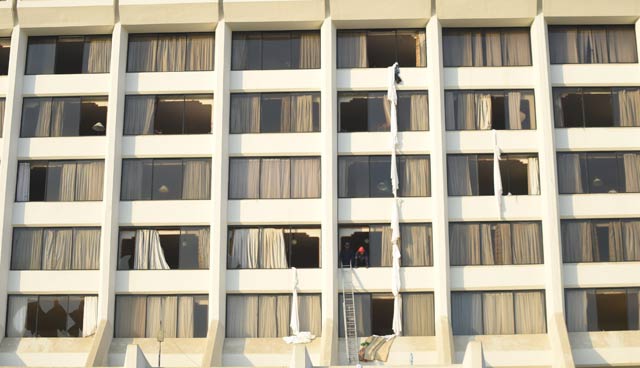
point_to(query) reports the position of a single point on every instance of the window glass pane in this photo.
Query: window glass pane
(36, 117)
(142, 53)
(304, 248)
(167, 179)
(200, 316)
(41, 55)
(378, 112)
(456, 48)
(136, 179)
(52, 316)
(275, 114)
(194, 248)
(411, 48)
(276, 50)
(170, 242)
(169, 115)
(61, 181)
(69, 52)
(353, 176)
(197, 114)
(598, 108)
(93, 116)
(5, 47)
(485, 175)
(27, 249)
(200, 50)
(379, 176)
(568, 108)
(413, 111)
(603, 173)
(96, 57)
(76, 316)
(514, 174)
(65, 117)
(37, 181)
(246, 51)
(353, 112)
(381, 49)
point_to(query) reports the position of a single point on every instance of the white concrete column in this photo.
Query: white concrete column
(440, 224)
(8, 160)
(549, 194)
(219, 189)
(329, 170)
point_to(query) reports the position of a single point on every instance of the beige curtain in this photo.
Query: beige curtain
(58, 114)
(200, 49)
(170, 316)
(275, 175)
(516, 47)
(202, 234)
(530, 312)
(631, 236)
(302, 112)
(285, 110)
(477, 48)
(245, 113)
(414, 176)
(622, 45)
(533, 179)
(577, 241)
(89, 180)
(419, 113)
(196, 182)
(592, 45)
(142, 53)
(386, 247)
(310, 313)
(416, 245)
(172, 52)
(464, 242)
(493, 48)
(563, 45)
(185, 317)
(135, 184)
(273, 315)
(62, 189)
(459, 177)
(527, 243)
(483, 111)
(421, 49)
(272, 252)
(418, 314)
(627, 106)
(632, 172)
(498, 251)
(242, 316)
(305, 177)
(569, 173)
(130, 316)
(515, 114)
(86, 249)
(244, 178)
(309, 50)
(616, 252)
(239, 51)
(27, 249)
(576, 310)
(97, 55)
(352, 49)
(463, 114)
(43, 122)
(497, 313)
(457, 48)
(2, 107)
(245, 245)
(139, 115)
(154, 315)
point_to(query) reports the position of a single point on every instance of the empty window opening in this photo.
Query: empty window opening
(381, 48)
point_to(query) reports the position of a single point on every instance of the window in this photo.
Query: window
(68, 248)
(166, 179)
(415, 245)
(2, 107)
(601, 309)
(275, 50)
(607, 240)
(486, 47)
(52, 315)
(381, 48)
(596, 107)
(179, 316)
(592, 44)
(269, 315)
(63, 116)
(369, 111)
(472, 175)
(168, 114)
(369, 176)
(274, 178)
(5, 47)
(177, 248)
(599, 172)
(493, 109)
(62, 181)
(68, 55)
(275, 112)
(498, 312)
(170, 52)
(374, 314)
(495, 243)
(273, 247)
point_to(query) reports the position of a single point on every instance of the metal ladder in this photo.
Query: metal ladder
(349, 315)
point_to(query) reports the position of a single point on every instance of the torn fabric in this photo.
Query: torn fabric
(298, 337)
(392, 97)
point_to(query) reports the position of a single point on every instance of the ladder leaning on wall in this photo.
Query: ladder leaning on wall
(349, 315)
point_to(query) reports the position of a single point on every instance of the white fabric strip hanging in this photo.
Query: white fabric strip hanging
(90, 316)
(497, 178)
(297, 337)
(392, 97)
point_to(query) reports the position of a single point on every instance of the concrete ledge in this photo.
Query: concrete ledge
(380, 13)
(100, 349)
(329, 344)
(273, 14)
(590, 11)
(97, 14)
(300, 357)
(495, 13)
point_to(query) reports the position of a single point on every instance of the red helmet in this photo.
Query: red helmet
(361, 250)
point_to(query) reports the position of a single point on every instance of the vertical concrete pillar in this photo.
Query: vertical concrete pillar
(549, 194)
(329, 170)
(8, 160)
(219, 189)
(444, 339)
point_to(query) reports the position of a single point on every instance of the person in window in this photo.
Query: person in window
(362, 258)
(347, 254)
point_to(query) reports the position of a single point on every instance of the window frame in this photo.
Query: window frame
(370, 30)
(55, 51)
(533, 121)
(260, 39)
(607, 27)
(502, 31)
(52, 99)
(585, 176)
(155, 55)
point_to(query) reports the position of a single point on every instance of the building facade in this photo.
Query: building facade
(169, 168)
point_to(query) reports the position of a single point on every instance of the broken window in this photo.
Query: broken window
(592, 44)
(472, 175)
(170, 52)
(491, 109)
(275, 50)
(498, 312)
(369, 111)
(177, 316)
(415, 245)
(5, 47)
(63, 181)
(368, 176)
(166, 179)
(374, 314)
(68, 55)
(596, 107)
(63, 116)
(381, 48)
(275, 113)
(612, 240)
(601, 309)
(486, 47)
(598, 172)
(168, 114)
(274, 247)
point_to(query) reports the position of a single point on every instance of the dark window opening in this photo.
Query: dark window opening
(276, 50)
(379, 178)
(381, 314)
(49, 315)
(197, 115)
(169, 115)
(612, 310)
(603, 173)
(41, 53)
(93, 117)
(381, 48)
(167, 179)
(37, 181)
(274, 111)
(69, 54)
(304, 248)
(596, 107)
(498, 115)
(5, 48)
